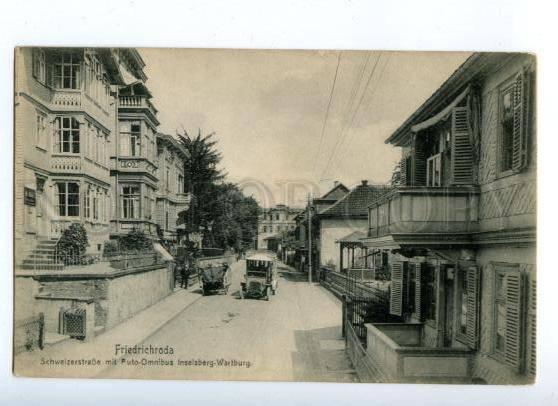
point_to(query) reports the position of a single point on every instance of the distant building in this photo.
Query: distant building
(274, 221)
(171, 198)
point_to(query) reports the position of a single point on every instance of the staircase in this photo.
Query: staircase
(42, 256)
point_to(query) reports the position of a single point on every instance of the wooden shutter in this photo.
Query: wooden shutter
(419, 162)
(462, 152)
(398, 281)
(420, 273)
(532, 332)
(473, 290)
(405, 171)
(514, 296)
(520, 119)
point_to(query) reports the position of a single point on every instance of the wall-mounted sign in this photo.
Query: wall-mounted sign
(29, 197)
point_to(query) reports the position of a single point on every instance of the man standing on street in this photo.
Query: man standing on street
(185, 275)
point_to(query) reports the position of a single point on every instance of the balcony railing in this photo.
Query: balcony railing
(137, 102)
(76, 164)
(425, 210)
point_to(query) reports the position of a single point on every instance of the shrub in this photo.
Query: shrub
(136, 240)
(72, 244)
(110, 248)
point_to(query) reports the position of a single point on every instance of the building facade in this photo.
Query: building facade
(460, 231)
(87, 150)
(65, 115)
(171, 198)
(274, 221)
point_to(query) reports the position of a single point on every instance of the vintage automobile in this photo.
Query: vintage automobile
(215, 278)
(260, 278)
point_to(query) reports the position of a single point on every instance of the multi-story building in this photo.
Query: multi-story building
(171, 197)
(272, 222)
(460, 231)
(65, 115)
(134, 171)
(87, 150)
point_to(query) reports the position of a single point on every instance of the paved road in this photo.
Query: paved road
(293, 337)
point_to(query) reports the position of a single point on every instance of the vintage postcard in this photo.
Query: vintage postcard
(322, 216)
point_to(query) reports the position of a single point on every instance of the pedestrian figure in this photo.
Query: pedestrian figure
(185, 275)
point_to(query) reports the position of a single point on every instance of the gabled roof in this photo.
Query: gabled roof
(474, 68)
(355, 203)
(337, 192)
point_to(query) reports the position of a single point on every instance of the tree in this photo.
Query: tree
(201, 173)
(216, 204)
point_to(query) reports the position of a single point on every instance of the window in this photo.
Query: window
(130, 201)
(66, 74)
(130, 138)
(40, 130)
(500, 314)
(68, 199)
(434, 170)
(506, 128)
(430, 292)
(462, 297)
(265, 229)
(147, 203)
(96, 204)
(39, 65)
(180, 184)
(87, 202)
(67, 135)
(166, 220)
(167, 180)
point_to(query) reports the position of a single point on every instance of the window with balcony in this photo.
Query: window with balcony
(39, 65)
(68, 199)
(130, 138)
(66, 71)
(67, 135)
(130, 201)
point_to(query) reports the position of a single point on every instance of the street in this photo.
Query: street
(296, 336)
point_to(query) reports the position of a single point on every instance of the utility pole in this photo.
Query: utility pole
(309, 238)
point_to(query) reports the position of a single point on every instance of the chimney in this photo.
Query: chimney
(335, 183)
(364, 182)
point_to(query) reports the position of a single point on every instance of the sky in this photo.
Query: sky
(290, 123)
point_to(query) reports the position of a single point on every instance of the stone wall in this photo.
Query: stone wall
(133, 292)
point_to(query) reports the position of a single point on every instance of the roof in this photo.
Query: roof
(272, 237)
(474, 68)
(259, 257)
(356, 202)
(355, 236)
(335, 193)
(174, 144)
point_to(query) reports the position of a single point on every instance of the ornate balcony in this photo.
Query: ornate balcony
(78, 165)
(423, 215)
(138, 102)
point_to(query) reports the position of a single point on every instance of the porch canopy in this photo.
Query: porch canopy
(347, 247)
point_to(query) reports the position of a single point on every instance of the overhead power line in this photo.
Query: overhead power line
(344, 130)
(327, 110)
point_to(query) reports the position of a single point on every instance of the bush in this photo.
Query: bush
(110, 248)
(136, 240)
(72, 244)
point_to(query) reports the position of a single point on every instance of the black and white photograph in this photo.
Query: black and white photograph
(341, 216)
